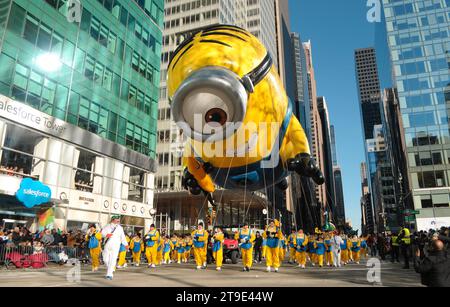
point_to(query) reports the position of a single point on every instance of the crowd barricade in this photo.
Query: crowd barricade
(21, 256)
(39, 257)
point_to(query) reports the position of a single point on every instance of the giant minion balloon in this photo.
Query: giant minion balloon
(228, 99)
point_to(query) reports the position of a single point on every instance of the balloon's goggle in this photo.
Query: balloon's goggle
(211, 103)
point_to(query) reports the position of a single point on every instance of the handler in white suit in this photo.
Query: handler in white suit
(115, 236)
(336, 242)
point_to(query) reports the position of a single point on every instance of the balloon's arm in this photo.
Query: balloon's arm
(298, 138)
(196, 169)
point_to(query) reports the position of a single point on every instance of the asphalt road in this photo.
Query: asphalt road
(185, 275)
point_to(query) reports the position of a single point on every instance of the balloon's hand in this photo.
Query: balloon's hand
(305, 166)
(191, 184)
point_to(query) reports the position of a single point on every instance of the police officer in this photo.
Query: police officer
(395, 248)
(404, 239)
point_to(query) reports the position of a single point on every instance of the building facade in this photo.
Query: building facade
(79, 108)
(316, 127)
(419, 44)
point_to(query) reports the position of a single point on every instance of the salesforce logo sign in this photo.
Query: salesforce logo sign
(33, 193)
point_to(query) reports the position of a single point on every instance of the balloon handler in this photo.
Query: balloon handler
(229, 101)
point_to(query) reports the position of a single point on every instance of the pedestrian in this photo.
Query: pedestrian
(257, 247)
(381, 245)
(94, 239)
(245, 238)
(151, 246)
(115, 237)
(200, 237)
(434, 270)
(336, 243)
(217, 247)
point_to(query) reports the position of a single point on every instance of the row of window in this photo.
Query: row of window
(41, 35)
(413, 23)
(427, 158)
(427, 118)
(189, 6)
(46, 95)
(423, 36)
(431, 179)
(433, 136)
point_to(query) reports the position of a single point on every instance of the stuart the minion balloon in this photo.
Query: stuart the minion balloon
(228, 99)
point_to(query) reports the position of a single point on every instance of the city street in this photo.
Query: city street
(185, 276)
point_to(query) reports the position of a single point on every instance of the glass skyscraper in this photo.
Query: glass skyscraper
(91, 72)
(419, 44)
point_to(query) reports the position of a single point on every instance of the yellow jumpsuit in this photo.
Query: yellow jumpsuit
(344, 251)
(181, 246)
(151, 250)
(136, 247)
(356, 248)
(273, 235)
(292, 251)
(320, 251)
(95, 251)
(159, 250)
(123, 255)
(300, 243)
(188, 250)
(174, 253)
(245, 239)
(328, 252)
(167, 248)
(200, 246)
(282, 249)
(218, 249)
(311, 250)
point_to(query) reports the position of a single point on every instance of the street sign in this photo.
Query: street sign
(411, 218)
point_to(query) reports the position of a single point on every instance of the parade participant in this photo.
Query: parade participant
(319, 245)
(300, 245)
(356, 248)
(273, 235)
(245, 238)
(122, 262)
(151, 243)
(115, 237)
(94, 239)
(328, 249)
(136, 246)
(312, 250)
(168, 246)
(181, 248)
(283, 246)
(363, 253)
(188, 248)
(291, 244)
(344, 250)
(159, 251)
(336, 243)
(217, 248)
(349, 248)
(174, 244)
(200, 237)
(263, 247)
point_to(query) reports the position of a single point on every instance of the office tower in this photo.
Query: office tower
(79, 109)
(316, 128)
(367, 222)
(328, 157)
(261, 23)
(419, 44)
(338, 183)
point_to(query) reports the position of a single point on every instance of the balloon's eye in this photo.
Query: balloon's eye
(216, 115)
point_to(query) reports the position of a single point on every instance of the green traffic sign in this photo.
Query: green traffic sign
(410, 218)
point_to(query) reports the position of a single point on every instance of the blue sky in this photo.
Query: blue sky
(336, 28)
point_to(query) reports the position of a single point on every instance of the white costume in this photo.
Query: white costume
(111, 249)
(336, 248)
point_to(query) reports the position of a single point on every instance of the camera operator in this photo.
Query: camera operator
(434, 269)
